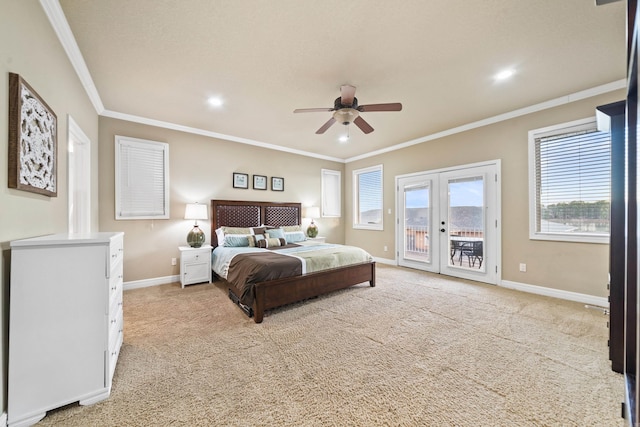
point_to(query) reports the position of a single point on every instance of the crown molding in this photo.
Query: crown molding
(210, 134)
(577, 96)
(58, 21)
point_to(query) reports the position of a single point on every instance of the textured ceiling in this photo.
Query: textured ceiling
(162, 59)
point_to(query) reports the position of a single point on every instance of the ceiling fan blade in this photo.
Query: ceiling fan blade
(347, 92)
(363, 125)
(326, 126)
(394, 106)
(312, 110)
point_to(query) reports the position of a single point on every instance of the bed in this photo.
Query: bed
(257, 296)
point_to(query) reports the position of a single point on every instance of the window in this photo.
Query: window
(570, 182)
(367, 196)
(331, 205)
(142, 179)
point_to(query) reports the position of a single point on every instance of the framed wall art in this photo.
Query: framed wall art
(277, 183)
(33, 128)
(259, 182)
(240, 180)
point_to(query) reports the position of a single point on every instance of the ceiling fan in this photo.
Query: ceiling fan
(346, 110)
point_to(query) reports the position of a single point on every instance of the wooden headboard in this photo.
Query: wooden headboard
(234, 213)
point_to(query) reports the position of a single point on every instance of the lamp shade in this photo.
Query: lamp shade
(311, 212)
(196, 211)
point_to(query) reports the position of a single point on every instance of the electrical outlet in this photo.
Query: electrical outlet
(174, 261)
(523, 267)
(386, 249)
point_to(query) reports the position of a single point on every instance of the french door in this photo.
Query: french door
(448, 222)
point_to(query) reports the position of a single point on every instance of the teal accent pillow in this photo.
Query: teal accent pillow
(275, 233)
(294, 236)
(236, 240)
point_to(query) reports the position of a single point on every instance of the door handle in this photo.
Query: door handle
(442, 229)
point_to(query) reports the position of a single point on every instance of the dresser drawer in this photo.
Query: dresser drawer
(116, 251)
(115, 326)
(113, 354)
(115, 284)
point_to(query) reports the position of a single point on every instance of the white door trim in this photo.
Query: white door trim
(498, 210)
(78, 178)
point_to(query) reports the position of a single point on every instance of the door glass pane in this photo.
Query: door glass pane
(417, 218)
(466, 222)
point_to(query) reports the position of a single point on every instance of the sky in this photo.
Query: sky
(463, 193)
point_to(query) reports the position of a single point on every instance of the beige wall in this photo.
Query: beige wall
(29, 47)
(574, 267)
(200, 169)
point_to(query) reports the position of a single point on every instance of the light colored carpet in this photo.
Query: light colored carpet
(417, 350)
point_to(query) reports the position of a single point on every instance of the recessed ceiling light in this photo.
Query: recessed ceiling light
(504, 74)
(215, 101)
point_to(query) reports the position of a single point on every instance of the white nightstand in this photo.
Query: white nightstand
(317, 239)
(195, 264)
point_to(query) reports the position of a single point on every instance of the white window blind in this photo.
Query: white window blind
(571, 182)
(368, 198)
(142, 179)
(331, 203)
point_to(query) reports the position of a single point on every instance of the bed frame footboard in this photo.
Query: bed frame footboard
(276, 293)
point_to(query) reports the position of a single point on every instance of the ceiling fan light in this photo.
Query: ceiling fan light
(346, 115)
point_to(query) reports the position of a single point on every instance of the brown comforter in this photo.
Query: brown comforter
(248, 269)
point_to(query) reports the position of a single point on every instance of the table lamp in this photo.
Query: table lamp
(195, 211)
(312, 212)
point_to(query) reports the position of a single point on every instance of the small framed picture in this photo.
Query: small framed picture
(240, 180)
(259, 182)
(277, 183)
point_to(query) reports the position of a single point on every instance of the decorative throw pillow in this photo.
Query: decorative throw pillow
(275, 232)
(294, 236)
(258, 230)
(270, 242)
(236, 240)
(254, 239)
(236, 230)
(289, 228)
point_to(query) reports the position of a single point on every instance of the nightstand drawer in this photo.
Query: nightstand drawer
(196, 256)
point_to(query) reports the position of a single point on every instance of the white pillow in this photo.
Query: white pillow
(220, 236)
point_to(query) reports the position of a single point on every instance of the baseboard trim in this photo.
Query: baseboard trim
(556, 293)
(524, 287)
(145, 283)
(385, 261)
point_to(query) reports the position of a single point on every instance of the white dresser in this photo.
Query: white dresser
(65, 322)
